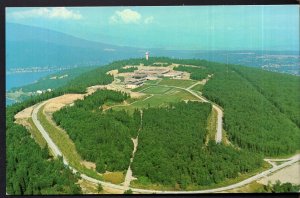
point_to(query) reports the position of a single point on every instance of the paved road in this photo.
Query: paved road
(36, 122)
(218, 136)
(57, 152)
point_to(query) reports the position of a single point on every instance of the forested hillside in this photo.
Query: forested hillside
(250, 118)
(281, 89)
(171, 149)
(29, 168)
(261, 117)
(104, 138)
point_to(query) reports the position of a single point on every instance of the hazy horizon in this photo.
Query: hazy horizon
(268, 28)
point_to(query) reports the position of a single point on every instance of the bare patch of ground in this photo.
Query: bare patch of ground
(57, 103)
(26, 113)
(89, 165)
(92, 188)
(24, 122)
(289, 174)
(112, 72)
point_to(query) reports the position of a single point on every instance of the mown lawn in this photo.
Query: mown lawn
(140, 88)
(172, 95)
(177, 83)
(156, 90)
(151, 82)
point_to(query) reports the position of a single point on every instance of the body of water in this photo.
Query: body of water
(21, 79)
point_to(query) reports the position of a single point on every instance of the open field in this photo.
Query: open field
(114, 177)
(198, 87)
(156, 90)
(145, 86)
(151, 82)
(177, 83)
(157, 100)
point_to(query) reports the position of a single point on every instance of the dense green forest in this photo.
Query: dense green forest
(281, 89)
(261, 116)
(172, 151)
(101, 137)
(251, 120)
(28, 168)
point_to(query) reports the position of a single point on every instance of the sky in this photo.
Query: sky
(273, 27)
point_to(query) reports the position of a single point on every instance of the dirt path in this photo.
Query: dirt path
(129, 177)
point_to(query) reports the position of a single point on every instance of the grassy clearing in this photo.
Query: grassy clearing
(114, 177)
(140, 88)
(211, 126)
(198, 87)
(156, 90)
(65, 144)
(177, 83)
(36, 134)
(172, 96)
(151, 82)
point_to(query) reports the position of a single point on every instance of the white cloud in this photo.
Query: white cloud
(126, 16)
(51, 13)
(149, 20)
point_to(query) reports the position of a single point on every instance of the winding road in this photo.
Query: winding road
(218, 136)
(56, 151)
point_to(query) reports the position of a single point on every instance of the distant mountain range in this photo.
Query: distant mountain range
(28, 46)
